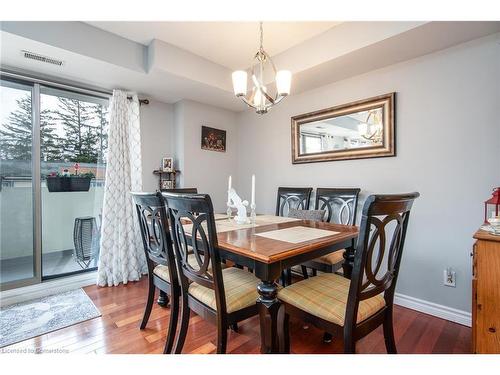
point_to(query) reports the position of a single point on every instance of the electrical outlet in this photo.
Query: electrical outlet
(449, 277)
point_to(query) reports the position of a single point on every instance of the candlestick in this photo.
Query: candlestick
(253, 190)
(253, 215)
(229, 189)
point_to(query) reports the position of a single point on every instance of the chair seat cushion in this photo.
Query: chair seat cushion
(162, 271)
(325, 296)
(332, 258)
(240, 287)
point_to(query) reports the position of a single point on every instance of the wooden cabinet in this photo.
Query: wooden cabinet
(486, 293)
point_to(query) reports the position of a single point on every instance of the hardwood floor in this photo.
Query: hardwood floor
(117, 331)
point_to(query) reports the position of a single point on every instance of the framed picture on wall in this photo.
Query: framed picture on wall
(213, 139)
(167, 165)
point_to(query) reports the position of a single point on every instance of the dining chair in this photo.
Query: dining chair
(340, 205)
(223, 296)
(353, 308)
(291, 198)
(162, 298)
(160, 260)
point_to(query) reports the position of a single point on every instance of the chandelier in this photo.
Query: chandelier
(372, 131)
(260, 97)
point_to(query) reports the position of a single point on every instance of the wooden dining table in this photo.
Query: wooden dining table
(271, 245)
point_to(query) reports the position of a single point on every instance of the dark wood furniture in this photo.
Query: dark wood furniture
(269, 257)
(166, 176)
(182, 190)
(221, 296)
(341, 205)
(486, 293)
(162, 297)
(352, 309)
(158, 249)
(291, 197)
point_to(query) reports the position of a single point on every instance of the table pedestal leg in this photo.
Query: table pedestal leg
(348, 264)
(162, 299)
(268, 312)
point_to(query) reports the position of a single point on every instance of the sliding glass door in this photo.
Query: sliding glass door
(53, 145)
(73, 143)
(17, 224)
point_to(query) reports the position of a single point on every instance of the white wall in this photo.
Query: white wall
(175, 130)
(448, 149)
(157, 139)
(206, 170)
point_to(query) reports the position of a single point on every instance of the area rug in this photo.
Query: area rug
(25, 320)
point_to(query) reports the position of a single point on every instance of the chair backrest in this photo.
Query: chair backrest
(182, 190)
(379, 250)
(340, 204)
(192, 223)
(153, 223)
(291, 197)
(314, 215)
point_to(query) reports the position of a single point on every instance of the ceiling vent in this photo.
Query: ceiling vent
(41, 58)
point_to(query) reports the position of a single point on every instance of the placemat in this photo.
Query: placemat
(297, 234)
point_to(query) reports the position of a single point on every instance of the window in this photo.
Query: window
(310, 144)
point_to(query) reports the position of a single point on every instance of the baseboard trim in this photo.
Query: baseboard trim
(434, 309)
(46, 288)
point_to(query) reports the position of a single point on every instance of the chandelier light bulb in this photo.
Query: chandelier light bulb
(283, 82)
(240, 82)
(257, 98)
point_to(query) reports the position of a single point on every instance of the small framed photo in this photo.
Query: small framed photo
(167, 165)
(167, 184)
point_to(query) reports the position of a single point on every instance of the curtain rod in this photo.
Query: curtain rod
(141, 101)
(54, 83)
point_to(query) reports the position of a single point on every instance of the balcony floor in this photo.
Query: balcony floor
(54, 263)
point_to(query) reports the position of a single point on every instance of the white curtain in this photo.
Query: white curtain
(122, 256)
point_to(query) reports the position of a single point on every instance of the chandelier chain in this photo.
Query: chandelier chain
(261, 37)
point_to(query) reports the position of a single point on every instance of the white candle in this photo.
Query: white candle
(228, 190)
(253, 189)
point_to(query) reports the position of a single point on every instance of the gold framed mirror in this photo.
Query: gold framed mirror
(357, 130)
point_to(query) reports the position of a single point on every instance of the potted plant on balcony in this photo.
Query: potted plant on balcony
(66, 182)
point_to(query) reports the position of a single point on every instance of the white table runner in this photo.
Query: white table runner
(297, 234)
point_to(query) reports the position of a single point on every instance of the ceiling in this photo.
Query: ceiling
(230, 44)
(173, 61)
